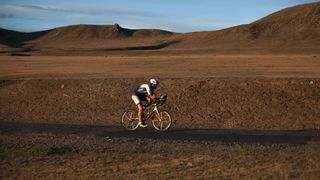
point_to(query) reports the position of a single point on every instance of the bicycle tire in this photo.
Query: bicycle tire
(162, 121)
(129, 120)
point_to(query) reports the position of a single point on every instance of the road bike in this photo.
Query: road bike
(161, 119)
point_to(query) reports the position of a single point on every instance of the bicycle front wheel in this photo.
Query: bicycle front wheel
(162, 121)
(130, 120)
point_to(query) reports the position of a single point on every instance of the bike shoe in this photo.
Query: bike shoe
(143, 124)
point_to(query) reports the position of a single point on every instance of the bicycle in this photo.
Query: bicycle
(161, 119)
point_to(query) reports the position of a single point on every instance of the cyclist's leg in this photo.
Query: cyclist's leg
(140, 115)
(137, 101)
(140, 111)
(142, 108)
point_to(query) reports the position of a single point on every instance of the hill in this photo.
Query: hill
(17, 39)
(291, 30)
(98, 37)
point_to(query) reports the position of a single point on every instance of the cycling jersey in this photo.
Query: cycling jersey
(141, 92)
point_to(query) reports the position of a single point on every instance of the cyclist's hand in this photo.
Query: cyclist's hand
(162, 97)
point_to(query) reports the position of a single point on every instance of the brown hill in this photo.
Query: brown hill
(299, 23)
(17, 39)
(102, 32)
(98, 37)
(295, 29)
(84, 37)
(290, 29)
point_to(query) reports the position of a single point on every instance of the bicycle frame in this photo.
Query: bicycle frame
(153, 112)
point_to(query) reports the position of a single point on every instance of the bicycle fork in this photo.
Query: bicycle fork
(158, 114)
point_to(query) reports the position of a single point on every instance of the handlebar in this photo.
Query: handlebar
(159, 101)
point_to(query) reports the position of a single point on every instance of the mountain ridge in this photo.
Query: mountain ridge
(293, 28)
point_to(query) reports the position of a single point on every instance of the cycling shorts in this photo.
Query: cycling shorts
(137, 99)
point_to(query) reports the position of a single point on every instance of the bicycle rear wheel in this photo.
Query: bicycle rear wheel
(130, 120)
(162, 121)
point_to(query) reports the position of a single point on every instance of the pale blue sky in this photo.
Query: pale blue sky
(172, 15)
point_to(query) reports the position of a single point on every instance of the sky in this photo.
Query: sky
(171, 15)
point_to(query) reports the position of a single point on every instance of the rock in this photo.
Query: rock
(189, 164)
(115, 168)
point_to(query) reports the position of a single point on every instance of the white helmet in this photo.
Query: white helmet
(154, 82)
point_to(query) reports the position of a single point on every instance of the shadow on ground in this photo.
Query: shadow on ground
(219, 135)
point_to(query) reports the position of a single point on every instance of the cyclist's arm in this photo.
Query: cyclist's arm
(150, 98)
(154, 96)
(151, 94)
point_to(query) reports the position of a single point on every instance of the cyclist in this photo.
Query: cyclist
(144, 92)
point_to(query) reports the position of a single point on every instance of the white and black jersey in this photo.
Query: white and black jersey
(139, 93)
(143, 90)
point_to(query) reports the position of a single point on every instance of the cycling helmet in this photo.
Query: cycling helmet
(154, 82)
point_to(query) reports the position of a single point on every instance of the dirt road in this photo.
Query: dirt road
(218, 135)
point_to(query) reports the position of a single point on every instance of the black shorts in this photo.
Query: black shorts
(138, 98)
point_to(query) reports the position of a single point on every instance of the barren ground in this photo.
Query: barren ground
(159, 65)
(36, 151)
(235, 96)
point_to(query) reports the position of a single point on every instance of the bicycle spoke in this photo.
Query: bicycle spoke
(129, 120)
(131, 114)
(162, 122)
(158, 123)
